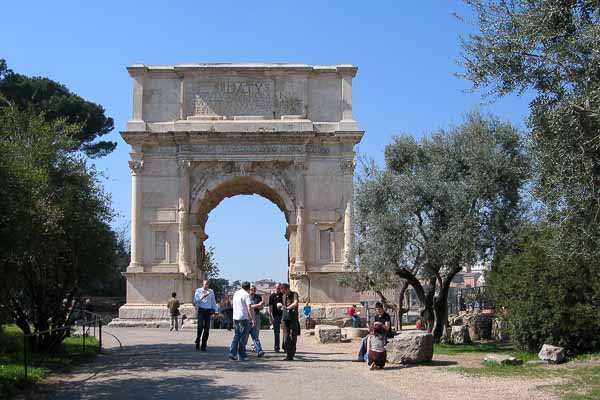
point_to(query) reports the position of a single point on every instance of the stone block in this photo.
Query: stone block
(502, 359)
(552, 354)
(455, 320)
(410, 348)
(460, 335)
(355, 333)
(480, 325)
(328, 333)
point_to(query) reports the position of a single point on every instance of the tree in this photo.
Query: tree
(444, 202)
(210, 270)
(207, 263)
(54, 221)
(549, 48)
(55, 102)
(548, 300)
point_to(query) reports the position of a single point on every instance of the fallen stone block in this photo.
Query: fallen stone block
(410, 348)
(502, 359)
(479, 324)
(355, 333)
(460, 335)
(552, 354)
(328, 333)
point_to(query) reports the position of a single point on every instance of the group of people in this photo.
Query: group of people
(282, 308)
(246, 306)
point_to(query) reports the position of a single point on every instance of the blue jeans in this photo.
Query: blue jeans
(254, 332)
(240, 338)
(355, 321)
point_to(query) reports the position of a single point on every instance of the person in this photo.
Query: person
(376, 354)
(243, 319)
(275, 315)
(290, 320)
(204, 299)
(257, 304)
(227, 313)
(419, 324)
(306, 313)
(382, 317)
(354, 316)
(173, 306)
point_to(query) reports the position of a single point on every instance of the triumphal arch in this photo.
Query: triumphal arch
(204, 132)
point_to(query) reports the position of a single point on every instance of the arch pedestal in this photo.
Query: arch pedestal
(202, 133)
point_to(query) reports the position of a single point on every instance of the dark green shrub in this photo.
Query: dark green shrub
(549, 299)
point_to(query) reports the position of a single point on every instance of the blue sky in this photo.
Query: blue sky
(407, 55)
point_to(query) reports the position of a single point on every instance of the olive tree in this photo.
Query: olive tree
(442, 202)
(551, 50)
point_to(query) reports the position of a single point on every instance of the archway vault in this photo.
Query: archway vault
(207, 197)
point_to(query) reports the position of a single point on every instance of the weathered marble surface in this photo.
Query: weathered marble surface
(203, 132)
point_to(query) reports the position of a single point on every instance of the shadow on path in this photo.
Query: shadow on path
(157, 388)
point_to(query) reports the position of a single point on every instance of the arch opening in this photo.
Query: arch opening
(213, 195)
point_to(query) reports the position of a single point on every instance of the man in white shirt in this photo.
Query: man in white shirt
(243, 319)
(204, 299)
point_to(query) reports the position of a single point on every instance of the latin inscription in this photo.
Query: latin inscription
(247, 97)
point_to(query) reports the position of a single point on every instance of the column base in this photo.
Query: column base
(135, 267)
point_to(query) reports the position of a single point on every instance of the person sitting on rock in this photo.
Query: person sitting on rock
(382, 317)
(376, 354)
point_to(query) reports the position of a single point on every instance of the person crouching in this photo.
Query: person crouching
(376, 347)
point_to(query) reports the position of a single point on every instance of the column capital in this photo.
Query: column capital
(136, 166)
(184, 165)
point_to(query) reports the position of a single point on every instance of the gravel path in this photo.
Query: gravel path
(158, 364)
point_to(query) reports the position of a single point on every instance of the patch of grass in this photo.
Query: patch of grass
(452, 349)
(582, 374)
(12, 370)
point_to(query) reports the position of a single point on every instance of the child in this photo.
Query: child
(376, 347)
(173, 306)
(306, 312)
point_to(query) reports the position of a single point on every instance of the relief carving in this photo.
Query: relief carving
(348, 166)
(237, 149)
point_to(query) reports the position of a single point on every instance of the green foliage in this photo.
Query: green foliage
(56, 102)
(54, 218)
(550, 48)
(12, 371)
(444, 202)
(208, 264)
(218, 285)
(549, 299)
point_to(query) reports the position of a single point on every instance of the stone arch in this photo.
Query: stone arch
(208, 197)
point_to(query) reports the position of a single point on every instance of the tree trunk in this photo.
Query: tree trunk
(401, 308)
(441, 305)
(441, 315)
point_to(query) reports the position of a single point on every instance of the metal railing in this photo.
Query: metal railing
(475, 298)
(90, 321)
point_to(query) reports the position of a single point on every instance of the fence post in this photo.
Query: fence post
(25, 354)
(100, 336)
(83, 336)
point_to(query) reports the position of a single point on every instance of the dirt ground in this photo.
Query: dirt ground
(158, 364)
